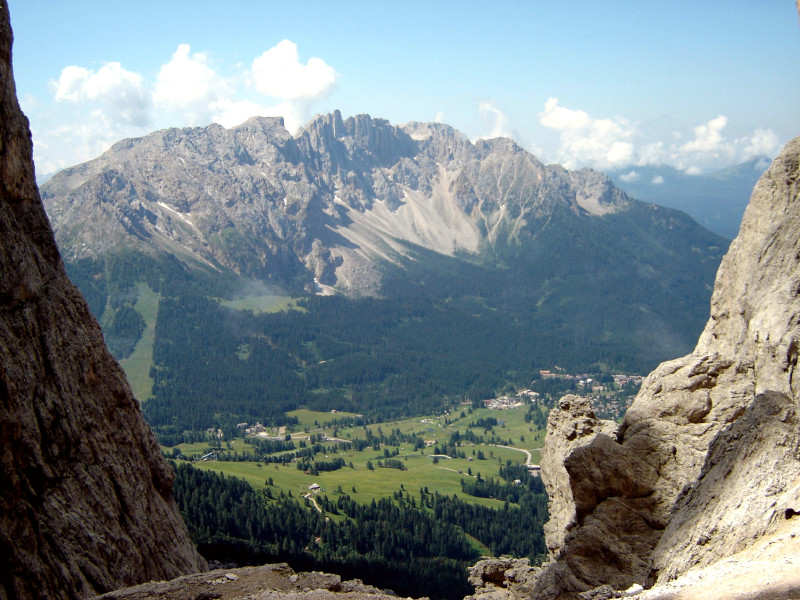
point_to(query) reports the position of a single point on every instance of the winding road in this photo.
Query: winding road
(527, 452)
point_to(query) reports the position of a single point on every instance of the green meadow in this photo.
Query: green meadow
(422, 468)
(263, 303)
(137, 365)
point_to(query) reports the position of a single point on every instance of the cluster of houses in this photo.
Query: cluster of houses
(506, 402)
(259, 430)
(585, 380)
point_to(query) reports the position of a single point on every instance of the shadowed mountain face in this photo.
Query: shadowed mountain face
(85, 496)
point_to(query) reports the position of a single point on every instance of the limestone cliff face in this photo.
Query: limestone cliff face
(85, 497)
(706, 463)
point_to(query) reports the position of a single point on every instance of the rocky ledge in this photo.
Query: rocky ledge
(269, 582)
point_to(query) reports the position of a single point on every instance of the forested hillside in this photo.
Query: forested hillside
(442, 331)
(414, 543)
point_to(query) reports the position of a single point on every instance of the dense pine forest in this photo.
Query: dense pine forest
(443, 331)
(414, 543)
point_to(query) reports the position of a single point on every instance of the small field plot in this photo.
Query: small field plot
(263, 303)
(137, 365)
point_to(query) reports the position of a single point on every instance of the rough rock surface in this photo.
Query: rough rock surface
(706, 464)
(502, 578)
(268, 582)
(85, 497)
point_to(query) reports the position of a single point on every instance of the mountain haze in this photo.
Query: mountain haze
(716, 200)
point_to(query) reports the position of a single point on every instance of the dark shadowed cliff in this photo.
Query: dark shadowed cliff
(85, 496)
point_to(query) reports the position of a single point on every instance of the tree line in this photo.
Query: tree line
(413, 544)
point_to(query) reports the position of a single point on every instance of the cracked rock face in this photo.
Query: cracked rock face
(706, 463)
(85, 496)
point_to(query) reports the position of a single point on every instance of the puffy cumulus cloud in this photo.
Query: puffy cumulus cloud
(657, 180)
(279, 73)
(229, 113)
(762, 142)
(496, 119)
(711, 149)
(561, 118)
(58, 145)
(601, 143)
(188, 85)
(95, 108)
(119, 93)
(629, 176)
(616, 143)
(707, 137)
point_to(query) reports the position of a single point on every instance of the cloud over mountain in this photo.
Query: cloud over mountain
(190, 89)
(615, 143)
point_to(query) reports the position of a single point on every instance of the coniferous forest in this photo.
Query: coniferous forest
(444, 330)
(413, 543)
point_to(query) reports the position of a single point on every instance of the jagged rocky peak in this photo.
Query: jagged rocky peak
(85, 495)
(364, 141)
(700, 486)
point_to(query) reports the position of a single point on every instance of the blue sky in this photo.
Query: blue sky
(696, 85)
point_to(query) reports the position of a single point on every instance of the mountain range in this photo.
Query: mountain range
(343, 197)
(716, 200)
(451, 268)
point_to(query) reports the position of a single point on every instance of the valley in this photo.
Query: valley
(450, 484)
(348, 341)
(363, 469)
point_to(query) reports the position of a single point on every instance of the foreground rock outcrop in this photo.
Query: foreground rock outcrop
(85, 496)
(706, 464)
(268, 582)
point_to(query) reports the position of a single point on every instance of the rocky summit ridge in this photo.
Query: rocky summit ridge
(329, 205)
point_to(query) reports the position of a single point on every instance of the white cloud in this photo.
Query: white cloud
(710, 149)
(279, 73)
(563, 119)
(496, 119)
(229, 113)
(630, 176)
(763, 141)
(95, 108)
(707, 137)
(120, 93)
(601, 143)
(188, 85)
(616, 142)
(657, 180)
